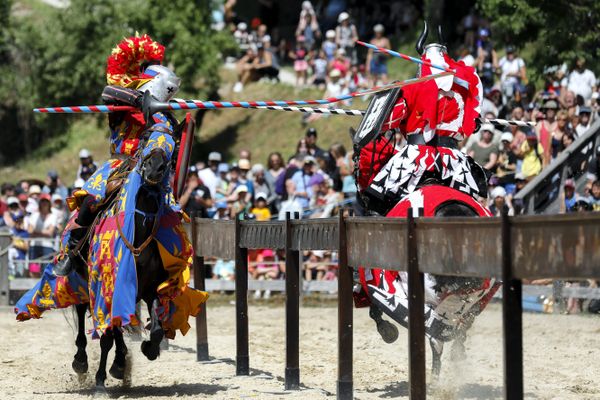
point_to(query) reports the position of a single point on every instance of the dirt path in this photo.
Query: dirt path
(561, 360)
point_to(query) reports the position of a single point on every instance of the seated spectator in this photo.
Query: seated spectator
(265, 65)
(562, 128)
(484, 151)
(567, 140)
(325, 199)
(376, 62)
(329, 46)
(261, 210)
(245, 69)
(267, 268)
(223, 183)
(357, 80)
(256, 64)
(314, 268)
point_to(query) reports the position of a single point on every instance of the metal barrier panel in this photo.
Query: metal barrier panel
(315, 234)
(214, 238)
(376, 242)
(558, 246)
(262, 234)
(463, 246)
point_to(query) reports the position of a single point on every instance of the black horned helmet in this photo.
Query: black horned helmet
(422, 48)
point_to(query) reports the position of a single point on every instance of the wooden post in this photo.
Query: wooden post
(201, 325)
(292, 309)
(416, 317)
(242, 361)
(5, 241)
(512, 317)
(345, 390)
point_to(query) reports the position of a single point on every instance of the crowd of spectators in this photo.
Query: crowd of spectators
(35, 213)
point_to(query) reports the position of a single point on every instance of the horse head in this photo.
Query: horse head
(154, 167)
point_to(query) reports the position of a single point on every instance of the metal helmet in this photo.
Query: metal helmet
(433, 51)
(163, 85)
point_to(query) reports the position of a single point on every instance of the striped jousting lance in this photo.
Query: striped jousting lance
(404, 56)
(343, 111)
(213, 105)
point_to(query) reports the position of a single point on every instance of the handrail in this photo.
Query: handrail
(541, 195)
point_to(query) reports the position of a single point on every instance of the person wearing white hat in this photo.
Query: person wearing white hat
(346, 35)
(329, 45)
(507, 161)
(210, 175)
(87, 166)
(376, 62)
(484, 151)
(499, 203)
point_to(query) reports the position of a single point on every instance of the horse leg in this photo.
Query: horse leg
(117, 370)
(388, 331)
(106, 343)
(80, 362)
(437, 348)
(151, 348)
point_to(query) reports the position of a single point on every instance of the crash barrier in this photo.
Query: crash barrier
(511, 248)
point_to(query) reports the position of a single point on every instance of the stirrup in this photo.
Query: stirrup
(64, 266)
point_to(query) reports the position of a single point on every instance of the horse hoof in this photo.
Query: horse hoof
(117, 372)
(388, 331)
(149, 350)
(81, 367)
(100, 392)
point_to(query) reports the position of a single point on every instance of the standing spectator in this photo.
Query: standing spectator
(244, 166)
(241, 205)
(311, 142)
(546, 128)
(223, 212)
(562, 128)
(487, 59)
(275, 167)
(581, 81)
(300, 56)
(499, 203)
(319, 66)
(262, 185)
(346, 35)
(342, 176)
(223, 184)
(60, 210)
(12, 210)
(210, 175)
(484, 151)
(329, 45)
(569, 195)
(301, 148)
(308, 27)
(593, 172)
(87, 166)
(17, 252)
(33, 201)
(242, 37)
(512, 74)
(196, 198)
(376, 62)
(585, 120)
(507, 162)
(531, 154)
(261, 210)
(301, 180)
(55, 186)
(340, 63)
(42, 224)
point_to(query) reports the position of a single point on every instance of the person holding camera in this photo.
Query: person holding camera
(513, 75)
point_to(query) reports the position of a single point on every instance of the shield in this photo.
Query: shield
(184, 155)
(379, 108)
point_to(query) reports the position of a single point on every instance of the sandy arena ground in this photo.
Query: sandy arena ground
(561, 359)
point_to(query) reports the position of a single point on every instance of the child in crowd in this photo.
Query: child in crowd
(261, 210)
(319, 66)
(300, 56)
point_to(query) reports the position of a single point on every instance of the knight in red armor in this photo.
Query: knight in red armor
(434, 117)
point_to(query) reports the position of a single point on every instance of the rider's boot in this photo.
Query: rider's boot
(69, 261)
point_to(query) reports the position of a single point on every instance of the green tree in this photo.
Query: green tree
(62, 60)
(558, 30)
